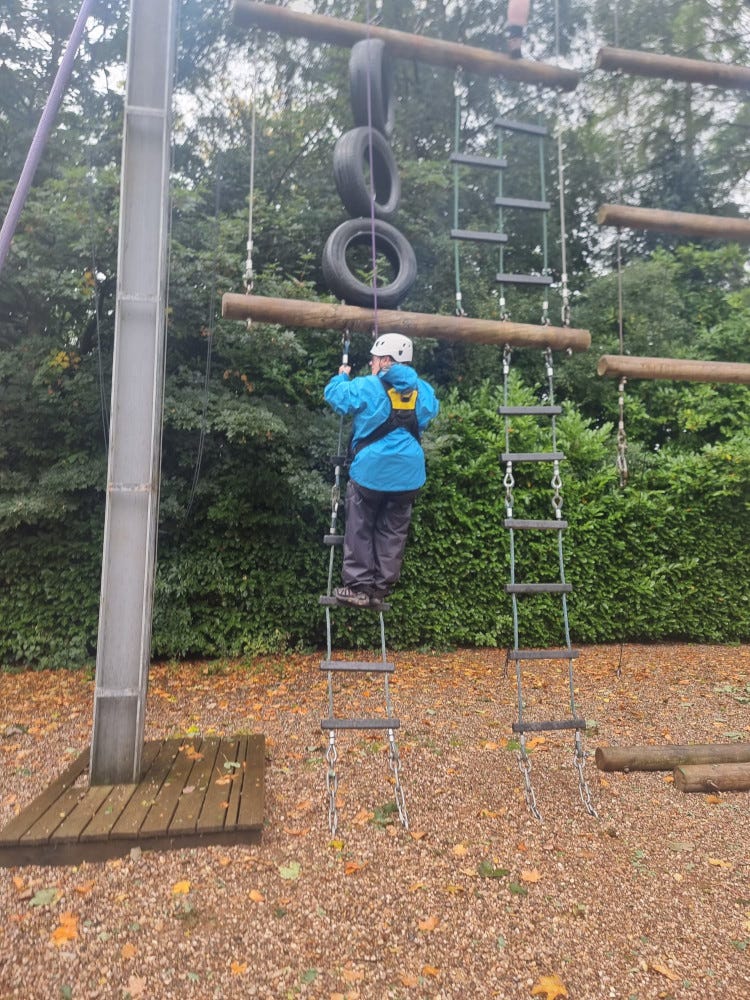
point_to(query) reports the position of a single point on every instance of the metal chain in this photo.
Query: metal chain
(394, 764)
(579, 759)
(524, 766)
(332, 783)
(508, 480)
(622, 441)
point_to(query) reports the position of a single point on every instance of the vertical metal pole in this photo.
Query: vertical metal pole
(131, 518)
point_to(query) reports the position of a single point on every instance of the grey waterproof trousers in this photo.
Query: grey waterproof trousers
(377, 525)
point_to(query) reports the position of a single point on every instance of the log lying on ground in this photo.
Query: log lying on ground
(665, 67)
(712, 778)
(672, 369)
(327, 316)
(664, 758)
(715, 227)
(337, 31)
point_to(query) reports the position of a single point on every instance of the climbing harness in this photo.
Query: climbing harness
(333, 723)
(403, 415)
(516, 589)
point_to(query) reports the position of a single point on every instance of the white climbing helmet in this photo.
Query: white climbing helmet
(394, 345)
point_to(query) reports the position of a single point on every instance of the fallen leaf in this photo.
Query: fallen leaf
(713, 799)
(181, 888)
(719, 863)
(417, 834)
(257, 896)
(136, 986)
(352, 975)
(428, 924)
(664, 970)
(68, 929)
(490, 745)
(408, 980)
(296, 832)
(521, 846)
(128, 950)
(362, 817)
(536, 741)
(238, 968)
(353, 866)
(430, 970)
(460, 850)
(225, 860)
(290, 871)
(530, 875)
(225, 779)
(416, 886)
(551, 986)
(85, 888)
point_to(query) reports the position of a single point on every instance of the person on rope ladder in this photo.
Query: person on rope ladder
(391, 407)
(518, 16)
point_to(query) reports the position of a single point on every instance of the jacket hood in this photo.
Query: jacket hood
(401, 377)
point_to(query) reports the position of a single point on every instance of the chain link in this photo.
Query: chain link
(579, 759)
(524, 766)
(622, 441)
(332, 783)
(394, 764)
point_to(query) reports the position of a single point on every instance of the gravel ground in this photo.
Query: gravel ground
(649, 900)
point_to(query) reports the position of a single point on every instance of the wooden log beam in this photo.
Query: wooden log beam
(320, 28)
(712, 778)
(672, 369)
(664, 758)
(715, 227)
(462, 329)
(654, 64)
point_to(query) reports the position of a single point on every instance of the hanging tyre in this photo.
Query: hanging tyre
(370, 77)
(389, 242)
(351, 167)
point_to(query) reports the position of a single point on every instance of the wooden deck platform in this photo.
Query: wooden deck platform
(193, 792)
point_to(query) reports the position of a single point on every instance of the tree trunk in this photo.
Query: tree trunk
(712, 778)
(664, 758)
(674, 369)
(675, 68)
(464, 329)
(338, 31)
(714, 227)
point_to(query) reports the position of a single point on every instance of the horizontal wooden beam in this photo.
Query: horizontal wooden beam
(715, 227)
(672, 369)
(666, 757)
(320, 28)
(653, 64)
(712, 778)
(461, 329)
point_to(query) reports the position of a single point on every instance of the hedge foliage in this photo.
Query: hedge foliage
(663, 559)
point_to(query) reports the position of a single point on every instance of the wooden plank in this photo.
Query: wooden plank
(712, 777)
(672, 369)
(114, 805)
(78, 819)
(714, 227)
(213, 814)
(251, 812)
(45, 826)
(666, 67)
(13, 832)
(159, 816)
(435, 51)
(664, 758)
(461, 329)
(235, 789)
(190, 802)
(129, 822)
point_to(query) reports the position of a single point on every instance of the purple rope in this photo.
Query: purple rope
(43, 130)
(372, 184)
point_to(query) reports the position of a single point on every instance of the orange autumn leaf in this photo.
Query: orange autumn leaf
(352, 975)
(291, 831)
(664, 970)
(713, 799)
(128, 950)
(408, 980)
(428, 924)
(362, 817)
(530, 875)
(257, 896)
(521, 846)
(430, 970)
(551, 987)
(85, 888)
(68, 929)
(226, 779)
(417, 834)
(181, 888)
(460, 850)
(191, 753)
(353, 866)
(719, 863)
(238, 968)
(535, 741)
(19, 883)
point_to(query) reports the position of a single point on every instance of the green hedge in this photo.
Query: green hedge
(663, 559)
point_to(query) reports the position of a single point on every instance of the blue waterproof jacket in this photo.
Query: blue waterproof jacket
(396, 461)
